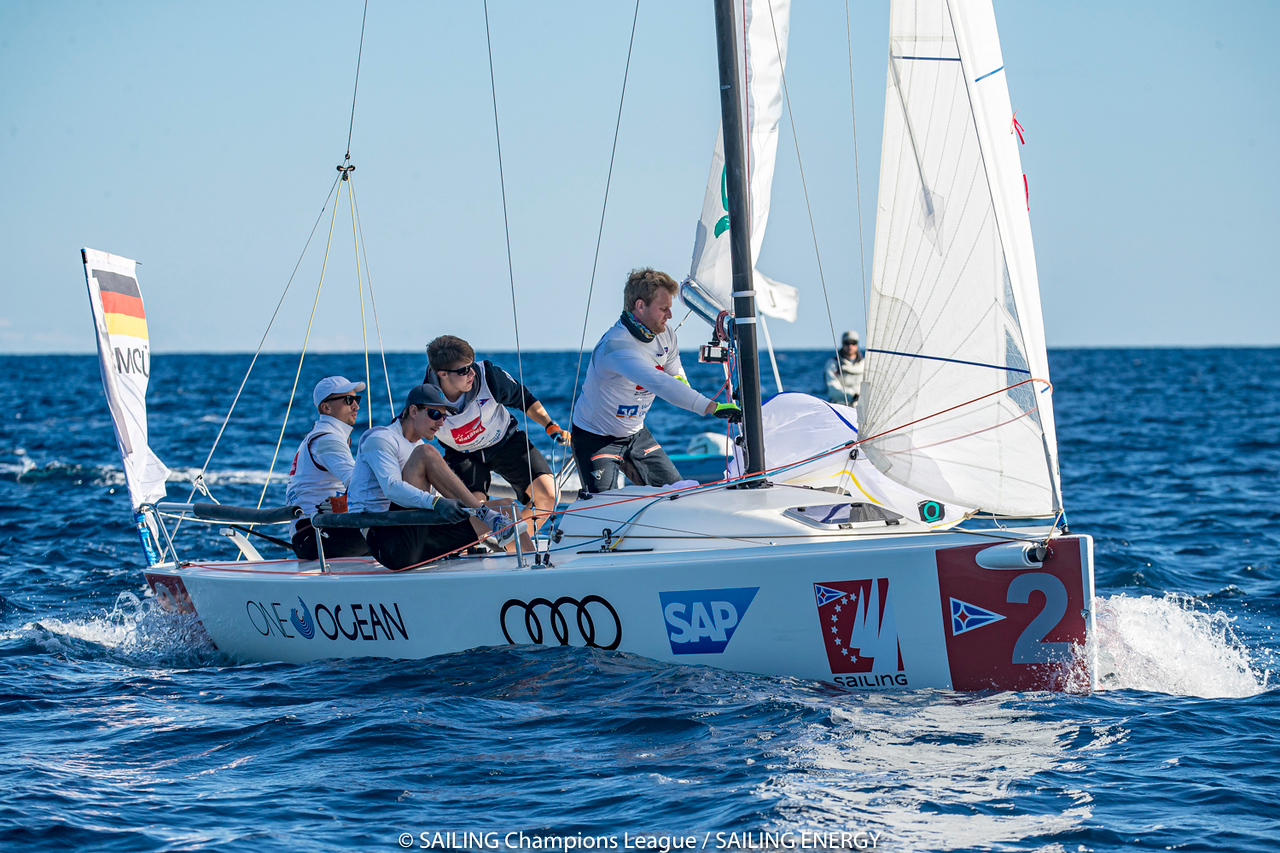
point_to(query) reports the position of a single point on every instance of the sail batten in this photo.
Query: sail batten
(957, 362)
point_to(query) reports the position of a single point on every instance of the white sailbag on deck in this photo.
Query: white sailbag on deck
(124, 354)
(957, 378)
(761, 57)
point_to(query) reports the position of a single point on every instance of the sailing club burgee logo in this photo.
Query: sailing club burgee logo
(702, 621)
(858, 626)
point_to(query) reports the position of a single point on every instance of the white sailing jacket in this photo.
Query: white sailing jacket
(321, 467)
(624, 376)
(377, 479)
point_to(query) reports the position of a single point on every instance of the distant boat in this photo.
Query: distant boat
(841, 560)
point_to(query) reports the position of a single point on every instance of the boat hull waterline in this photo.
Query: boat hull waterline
(896, 612)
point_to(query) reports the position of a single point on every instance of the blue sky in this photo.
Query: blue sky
(201, 139)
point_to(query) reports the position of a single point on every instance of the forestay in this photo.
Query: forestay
(124, 352)
(761, 30)
(954, 322)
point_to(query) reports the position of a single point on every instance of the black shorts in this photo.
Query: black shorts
(402, 547)
(514, 458)
(638, 456)
(338, 542)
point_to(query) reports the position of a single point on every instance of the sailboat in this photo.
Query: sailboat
(792, 566)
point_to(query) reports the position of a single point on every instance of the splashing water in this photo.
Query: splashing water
(1172, 645)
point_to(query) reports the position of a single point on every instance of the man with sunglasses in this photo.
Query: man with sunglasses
(395, 470)
(634, 362)
(322, 469)
(483, 437)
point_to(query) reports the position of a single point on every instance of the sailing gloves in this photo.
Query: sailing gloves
(559, 433)
(728, 412)
(450, 511)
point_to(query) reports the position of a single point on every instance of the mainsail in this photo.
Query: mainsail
(762, 51)
(957, 378)
(125, 358)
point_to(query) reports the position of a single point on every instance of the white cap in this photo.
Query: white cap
(849, 337)
(332, 385)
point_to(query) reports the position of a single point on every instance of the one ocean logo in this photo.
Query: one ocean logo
(702, 621)
(303, 625)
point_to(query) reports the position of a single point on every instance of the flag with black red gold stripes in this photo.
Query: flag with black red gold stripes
(124, 351)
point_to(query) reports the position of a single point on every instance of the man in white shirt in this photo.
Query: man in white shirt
(396, 470)
(322, 468)
(843, 373)
(636, 360)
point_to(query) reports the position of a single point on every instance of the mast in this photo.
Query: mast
(744, 304)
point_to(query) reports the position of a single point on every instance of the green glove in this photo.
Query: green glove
(728, 412)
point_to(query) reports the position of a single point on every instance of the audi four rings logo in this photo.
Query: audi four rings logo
(590, 614)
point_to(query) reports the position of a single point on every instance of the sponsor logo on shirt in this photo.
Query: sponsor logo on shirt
(468, 432)
(628, 411)
(702, 621)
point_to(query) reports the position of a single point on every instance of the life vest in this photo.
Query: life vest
(483, 423)
(309, 481)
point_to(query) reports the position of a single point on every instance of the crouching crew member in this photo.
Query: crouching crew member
(483, 437)
(636, 360)
(395, 470)
(322, 469)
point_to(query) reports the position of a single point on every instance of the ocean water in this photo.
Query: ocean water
(120, 730)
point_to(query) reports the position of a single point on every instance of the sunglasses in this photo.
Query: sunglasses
(460, 371)
(349, 399)
(436, 414)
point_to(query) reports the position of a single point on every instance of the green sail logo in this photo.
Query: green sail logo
(723, 225)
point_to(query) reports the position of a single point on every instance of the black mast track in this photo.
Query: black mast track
(744, 306)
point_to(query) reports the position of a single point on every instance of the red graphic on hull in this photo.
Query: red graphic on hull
(468, 432)
(1014, 629)
(171, 593)
(858, 626)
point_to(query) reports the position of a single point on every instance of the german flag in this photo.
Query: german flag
(121, 304)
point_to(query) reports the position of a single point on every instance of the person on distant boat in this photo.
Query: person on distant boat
(483, 437)
(843, 373)
(396, 470)
(636, 360)
(322, 468)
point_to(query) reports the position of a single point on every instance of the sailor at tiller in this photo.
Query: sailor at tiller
(636, 360)
(844, 371)
(395, 470)
(483, 437)
(322, 469)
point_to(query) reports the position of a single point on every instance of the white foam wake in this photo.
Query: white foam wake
(1174, 645)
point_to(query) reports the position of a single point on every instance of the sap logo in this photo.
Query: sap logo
(628, 411)
(702, 621)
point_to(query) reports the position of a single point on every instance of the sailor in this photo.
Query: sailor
(843, 373)
(396, 470)
(636, 360)
(322, 468)
(483, 437)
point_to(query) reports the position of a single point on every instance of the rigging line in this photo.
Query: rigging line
(795, 138)
(200, 477)
(302, 356)
(857, 178)
(511, 275)
(364, 324)
(373, 302)
(356, 88)
(951, 360)
(608, 182)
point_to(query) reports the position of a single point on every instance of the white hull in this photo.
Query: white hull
(863, 607)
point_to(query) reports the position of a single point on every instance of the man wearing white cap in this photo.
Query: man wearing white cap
(844, 372)
(322, 468)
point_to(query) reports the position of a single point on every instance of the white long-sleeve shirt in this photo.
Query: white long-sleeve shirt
(322, 465)
(624, 376)
(377, 480)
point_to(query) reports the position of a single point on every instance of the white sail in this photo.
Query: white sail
(124, 353)
(957, 375)
(762, 31)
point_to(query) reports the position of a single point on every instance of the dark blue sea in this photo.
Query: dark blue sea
(121, 731)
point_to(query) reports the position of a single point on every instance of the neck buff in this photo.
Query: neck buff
(637, 329)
